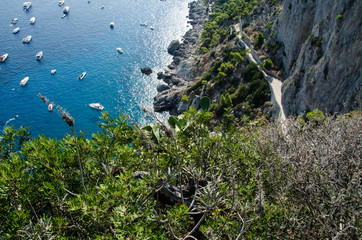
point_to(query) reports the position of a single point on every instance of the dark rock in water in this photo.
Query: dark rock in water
(159, 75)
(167, 75)
(174, 45)
(146, 70)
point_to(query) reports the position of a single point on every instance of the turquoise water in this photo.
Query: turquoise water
(83, 41)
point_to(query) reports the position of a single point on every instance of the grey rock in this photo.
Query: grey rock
(196, 102)
(162, 87)
(146, 70)
(182, 107)
(159, 75)
(174, 45)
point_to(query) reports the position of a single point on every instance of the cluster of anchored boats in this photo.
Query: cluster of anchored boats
(39, 55)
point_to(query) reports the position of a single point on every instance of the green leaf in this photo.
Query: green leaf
(205, 103)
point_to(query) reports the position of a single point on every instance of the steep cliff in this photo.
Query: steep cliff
(322, 51)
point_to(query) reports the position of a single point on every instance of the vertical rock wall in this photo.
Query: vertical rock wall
(322, 54)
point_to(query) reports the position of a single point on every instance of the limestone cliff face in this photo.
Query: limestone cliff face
(322, 54)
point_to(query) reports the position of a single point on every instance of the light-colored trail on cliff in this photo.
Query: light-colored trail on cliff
(274, 82)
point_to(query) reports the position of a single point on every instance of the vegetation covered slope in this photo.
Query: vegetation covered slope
(186, 182)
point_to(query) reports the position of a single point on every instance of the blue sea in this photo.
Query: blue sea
(83, 41)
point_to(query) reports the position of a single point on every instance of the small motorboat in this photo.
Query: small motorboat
(14, 21)
(16, 30)
(152, 28)
(4, 57)
(120, 50)
(24, 81)
(61, 2)
(27, 39)
(102, 7)
(53, 71)
(143, 24)
(111, 25)
(26, 5)
(80, 77)
(39, 55)
(32, 20)
(50, 107)
(66, 10)
(96, 106)
(63, 16)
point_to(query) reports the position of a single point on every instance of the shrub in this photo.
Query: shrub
(259, 40)
(339, 17)
(268, 64)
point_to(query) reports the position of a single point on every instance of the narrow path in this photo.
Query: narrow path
(274, 82)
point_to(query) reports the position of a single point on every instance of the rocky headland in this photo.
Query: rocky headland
(179, 74)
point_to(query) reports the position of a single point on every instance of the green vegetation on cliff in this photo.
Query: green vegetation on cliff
(254, 182)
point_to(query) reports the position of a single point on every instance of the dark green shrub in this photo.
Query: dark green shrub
(251, 73)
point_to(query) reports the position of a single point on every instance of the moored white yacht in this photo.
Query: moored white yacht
(27, 39)
(26, 5)
(119, 50)
(50, 107)
(24, 81)
(61, 2)
(4, 57)
(66, 10)
(80, 77)
(111, 25)
(32, 20)
(53, 71)
(14, 21)
(16, 30)
(96, 106)
(39, 55)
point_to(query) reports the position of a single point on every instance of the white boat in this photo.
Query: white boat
(63, 16)
(16, 30)
(80, 77)
(53, 71)
(152, 28)
(96, 106)
(27, 39)
(61, 2)
(14, 21)
(26, 5)
(39, 55)
(111, 25)
(143, 24)
(24, 81)
(120, 50)
(66, 10)
(102, 7)
(4, 57)
(32, 20)
(50, 107)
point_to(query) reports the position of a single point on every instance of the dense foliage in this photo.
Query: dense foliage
(299, 180)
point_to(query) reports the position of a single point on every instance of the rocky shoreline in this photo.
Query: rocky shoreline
(179, 74)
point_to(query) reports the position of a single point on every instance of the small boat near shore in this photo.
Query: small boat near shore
(32, 20)
(80, 77)
(143, 24)
(50, 107)
(111, 25)
(120, 50)
(53, 71)
(3, 57)
(24, 81)
(16, 30)
(27, 39)
(96, 106)
(61, 2)
(39, 55)
(26, 6)
(14, 21)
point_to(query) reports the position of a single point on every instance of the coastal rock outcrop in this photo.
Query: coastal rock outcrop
(179, 74)
(322, 55)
